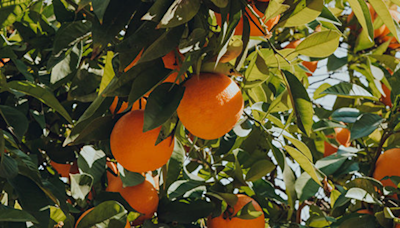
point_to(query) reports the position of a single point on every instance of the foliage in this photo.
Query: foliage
(62, 63)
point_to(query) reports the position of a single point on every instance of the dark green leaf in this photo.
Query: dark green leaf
(335, 63)
(99, 8)
(181, 187)
(301, 103)
(9, 214)
(61, 12)
(327, 15)
(98, 129)
(184, 210)
(259, 169)
(162, 103)
(365, 125)
(104, 212)
(70, 34)
(8, 166)
(42, 94)
(248, 212)
(349, 90)
(347, 115)
(15, 119)
(157, 10)
(175, 164)
(92, 161)
(130, 178)
(180, 12)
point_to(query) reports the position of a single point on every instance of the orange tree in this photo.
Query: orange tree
(194, 113)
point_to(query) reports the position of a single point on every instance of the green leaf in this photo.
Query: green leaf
(328, 16)
(157, 10)
(42, 94)
(184, 211)
(61, 12)
(349, 90)
(320, 44)
(105, 213)
(248, 212)
(301, 103)
(175, 164)
(182, 187)
(319, 90)
(382, 10)
(16, 120)
(259, 169)
(130, 178)
(92, 162)
(68, 65)
(9, 214)
(114, 20)
(303, 13)
(98, 129)
(304, 163)
(70, 34)
(162, 103)
(362, 13)
(11, 12)
(365, 125)
(180, 12)
(99, 8)
(360, 194)
(347, 115)
(163, 45)
(335, 63)
(220, 3)
(8, 166)
(81, 184)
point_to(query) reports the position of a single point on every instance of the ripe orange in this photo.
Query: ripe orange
(386, 100)
(211, 105)
(87, 212)
(143, 198)
(139, 104)
(221, 222)
(342, 136)
(134, 149)
(387, 165)
(255, 25)
(311, 66)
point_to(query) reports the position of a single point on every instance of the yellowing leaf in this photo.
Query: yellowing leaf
(320, 44)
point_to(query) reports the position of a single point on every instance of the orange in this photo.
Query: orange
(365, 211)
(387, 165)
(342, 136)
(211, 105)
(87, 212)
(134, 149)
(139, 104)
(311, 66)
(255, 25)
(386, 99)
(62, 169)
(143, 198)
(221, 222)
(3, 61)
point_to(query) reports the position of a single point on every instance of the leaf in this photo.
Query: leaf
(181, 187)
(69, 34)
(9, 214)
(180, 12)
(301, 103)
(162, 103)
(81, 184)
(303, 13)
(108, 72)
(42, 94)
(335, 63)
(220, 3)
(15, 119)
(184, 211)
(248, 212)
(362, 13)
(130, 178)
(365, 125)
(347, 115)
(328, 16)
(320, 44)
(8, 166)
(259, 169)
(157, 10)
(349, 90)
(92, 162)
(99, 8)
(383, 12)
(68, 65)
(11, 11)
(175, 164)
(319, 90)
(304, 163)
(114, 20)
(103, 213)
(163, 45)
(98, 129)
(360, 194)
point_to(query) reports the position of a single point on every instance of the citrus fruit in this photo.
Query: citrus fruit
(386, 99)
(87, 212)
(211, 105)
(134, 149)
(65, 169)
(365, 211)
(255, 26)
(342, 136)
(387, 165)
(143, 198)
(139, 104)
(234, 222)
